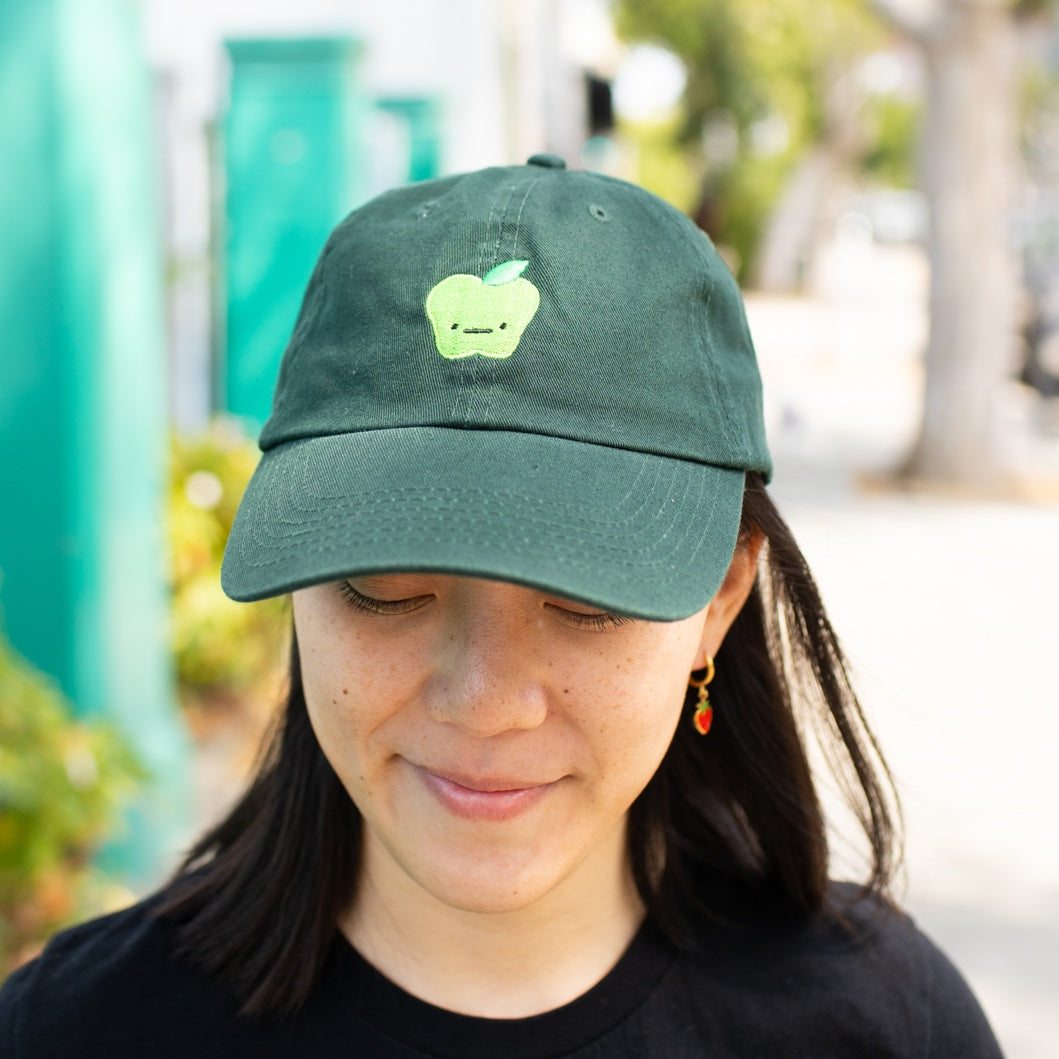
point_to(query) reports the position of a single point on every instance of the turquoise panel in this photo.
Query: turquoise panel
(289, 145)
(35, 527)
(82, 396)
(423, 117)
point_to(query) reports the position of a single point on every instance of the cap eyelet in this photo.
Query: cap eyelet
(598, 212)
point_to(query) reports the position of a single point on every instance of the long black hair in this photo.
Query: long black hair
(728, 823)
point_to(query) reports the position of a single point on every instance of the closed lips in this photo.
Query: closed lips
(483, 785)
(491, 799)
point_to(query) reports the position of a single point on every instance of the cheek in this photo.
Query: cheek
(350, 694)
(635, 713)
(329, 700)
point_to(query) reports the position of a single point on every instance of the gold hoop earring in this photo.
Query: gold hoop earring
(703, 717)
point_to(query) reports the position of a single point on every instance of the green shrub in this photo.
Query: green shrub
(220, 648)
(63, 783)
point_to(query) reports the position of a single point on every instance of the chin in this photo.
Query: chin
(491, 903)
(489, 885)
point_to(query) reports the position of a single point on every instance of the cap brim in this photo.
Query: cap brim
(631, 532)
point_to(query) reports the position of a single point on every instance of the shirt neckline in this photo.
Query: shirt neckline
(446, 1034)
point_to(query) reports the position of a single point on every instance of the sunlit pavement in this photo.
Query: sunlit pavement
(949, 609)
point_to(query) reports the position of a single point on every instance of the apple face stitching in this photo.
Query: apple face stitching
(485, 316)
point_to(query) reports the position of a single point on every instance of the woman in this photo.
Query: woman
(514, 476)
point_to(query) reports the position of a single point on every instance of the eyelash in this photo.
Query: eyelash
(357, 601)
(361, 604)
(601, 621)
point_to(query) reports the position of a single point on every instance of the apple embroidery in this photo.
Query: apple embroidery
(485, 316)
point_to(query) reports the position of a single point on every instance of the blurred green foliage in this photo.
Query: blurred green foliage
(890, 159)
(661, 164)
(63, 783)
(1039, 123)
(775, 79)
(220, 648)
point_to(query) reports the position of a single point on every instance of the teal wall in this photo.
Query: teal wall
(297, 158)
(35, 545)
(423, 118)
(82, 370)
(290, 132)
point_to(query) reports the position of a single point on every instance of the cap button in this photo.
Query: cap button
(547, 161)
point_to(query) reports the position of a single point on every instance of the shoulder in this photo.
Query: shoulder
(100, 947)
(97, 966)
(882, 947)
(112, 986)
(919, 983)
(880, 950)
(859, 980)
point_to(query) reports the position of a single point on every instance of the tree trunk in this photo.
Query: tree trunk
(793, 230)
(791, 233)
(970, 155)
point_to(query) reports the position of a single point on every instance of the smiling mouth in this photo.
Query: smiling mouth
(492, 800)
(486, 786)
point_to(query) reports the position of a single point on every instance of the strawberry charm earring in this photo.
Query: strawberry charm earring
(703, 717)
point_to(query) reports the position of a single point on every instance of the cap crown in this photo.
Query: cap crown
(631, 328)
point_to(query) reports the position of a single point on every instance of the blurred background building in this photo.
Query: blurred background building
(883, 177)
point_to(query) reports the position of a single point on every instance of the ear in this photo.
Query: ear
(733, 593)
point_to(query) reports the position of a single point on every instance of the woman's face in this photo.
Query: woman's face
(492, 736)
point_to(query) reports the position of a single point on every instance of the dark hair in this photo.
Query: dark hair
(728, 825)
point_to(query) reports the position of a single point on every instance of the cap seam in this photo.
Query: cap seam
(494, 429)
(484, 408)
(702, 334)
(595, 527)
(617, 542)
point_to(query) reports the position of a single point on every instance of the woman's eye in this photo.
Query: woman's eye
(600, 620)
(363, 604)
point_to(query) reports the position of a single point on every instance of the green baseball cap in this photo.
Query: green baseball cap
(528, 373)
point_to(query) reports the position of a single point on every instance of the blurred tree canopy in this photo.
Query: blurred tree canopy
(782, 78)
(768, 92)
(751, 59)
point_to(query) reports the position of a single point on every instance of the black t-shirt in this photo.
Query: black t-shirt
(112, 989)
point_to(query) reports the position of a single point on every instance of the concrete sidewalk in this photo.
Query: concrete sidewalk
(949, 609)
(948, 612)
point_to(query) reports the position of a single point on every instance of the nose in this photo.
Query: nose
(487, 678)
